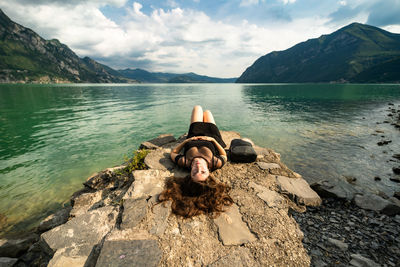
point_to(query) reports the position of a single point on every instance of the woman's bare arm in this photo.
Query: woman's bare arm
(175, 151)
(220, 149)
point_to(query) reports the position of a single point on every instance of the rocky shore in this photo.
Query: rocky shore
(277, 220)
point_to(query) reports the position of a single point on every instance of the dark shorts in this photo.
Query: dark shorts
(206, 129)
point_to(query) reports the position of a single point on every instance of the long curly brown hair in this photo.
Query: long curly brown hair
(190, 198)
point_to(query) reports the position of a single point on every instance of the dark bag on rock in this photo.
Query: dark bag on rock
(242, 151)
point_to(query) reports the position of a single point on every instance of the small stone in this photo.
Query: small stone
(396, 156)
(7, 262)
(374, 245)
(384, 142)
(319, 263)
(360, 261)
(316, 252)
(231, 229)
(332, 220)
(396, 170)
(395, 179)
(351, 179)
(240, 257)
(343, 246)
(268, 166)
(175, 231)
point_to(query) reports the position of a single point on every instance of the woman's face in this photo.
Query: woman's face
(199, 170)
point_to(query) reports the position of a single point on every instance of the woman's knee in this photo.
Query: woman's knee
(197, 114)
(208, 117)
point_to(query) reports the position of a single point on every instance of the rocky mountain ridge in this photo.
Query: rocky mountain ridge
(355, 53)
(162, 77)
(27, 57)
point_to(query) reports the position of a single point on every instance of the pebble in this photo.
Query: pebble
(343, 246)
(356, 238)
(396, 170)
(395, 179)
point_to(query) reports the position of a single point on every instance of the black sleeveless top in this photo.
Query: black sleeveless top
(201, 144)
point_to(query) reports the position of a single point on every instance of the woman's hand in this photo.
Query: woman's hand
(205, 138)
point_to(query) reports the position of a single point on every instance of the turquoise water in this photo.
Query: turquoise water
(52, 137)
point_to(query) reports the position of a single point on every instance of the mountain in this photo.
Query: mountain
(27, 57)
(355, 53)
(160, 77)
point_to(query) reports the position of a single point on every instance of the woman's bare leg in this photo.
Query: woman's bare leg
(208, 117)
(197, 114)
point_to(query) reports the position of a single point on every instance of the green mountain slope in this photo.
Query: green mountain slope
(355, 53)
(27, 57)
(161, 77)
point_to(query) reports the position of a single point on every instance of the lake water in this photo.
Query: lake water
(52, 137)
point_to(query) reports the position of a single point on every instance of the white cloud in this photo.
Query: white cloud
(392, 28)
(343, 3)
(248, 2)
(176, 40)
(288, 1)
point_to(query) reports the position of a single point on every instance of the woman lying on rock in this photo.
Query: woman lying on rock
(203, 151)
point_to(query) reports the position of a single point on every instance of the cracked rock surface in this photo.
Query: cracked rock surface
(117, 220)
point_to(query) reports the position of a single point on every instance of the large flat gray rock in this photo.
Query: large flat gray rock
(129, 253)
(231, 228)
(76, 255)
(55, 219)
(376, 203)
(147, 183)
(84, 202)
(158, 142)
(272, 198)
(74, 240)
(299, 190)
(160, 212)
(134, 212)
(12, 248)
(159, 159)
(337, 189)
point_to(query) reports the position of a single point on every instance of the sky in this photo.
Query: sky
(209, 37)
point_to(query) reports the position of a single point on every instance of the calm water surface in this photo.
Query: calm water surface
(52, 137)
